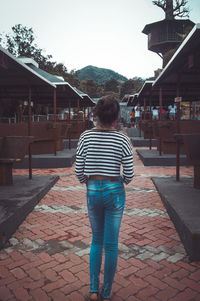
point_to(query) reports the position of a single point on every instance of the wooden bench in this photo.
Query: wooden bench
(12, 149)
(45, 133)
(167, 130)
(70, 129)
(77, 128)
(192, 149)
(64, 133)
(48, 135)
(147, 128)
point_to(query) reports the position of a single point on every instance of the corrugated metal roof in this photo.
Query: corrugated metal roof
(50, 77)
(55, 79)
(25, 67)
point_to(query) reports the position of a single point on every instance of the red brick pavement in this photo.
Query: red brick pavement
(47, 258)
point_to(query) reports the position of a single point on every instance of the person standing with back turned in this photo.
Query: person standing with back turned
(100, 153)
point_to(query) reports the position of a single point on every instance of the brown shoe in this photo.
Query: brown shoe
(92, 297)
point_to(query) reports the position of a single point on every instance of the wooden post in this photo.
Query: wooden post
(151, 122)
(47, 112)
(69, 124)
(20, 113)
(177, 140)
(29, 132)
(196, 176)
(69, 107)
(160, 103)
(54, 122)
(144, 108)
(6, 177)
(54, 104)
(160, 118)
(84, 113)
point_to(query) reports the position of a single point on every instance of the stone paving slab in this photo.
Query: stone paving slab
(64, 158)
(182, 202)
(140, 142)
(18, 200)
(133, 132)
(48, 256)
(152, 158)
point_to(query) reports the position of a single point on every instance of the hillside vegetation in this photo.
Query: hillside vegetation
(98, 75)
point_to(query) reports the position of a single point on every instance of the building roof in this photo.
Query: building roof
(148, 27)
(88, 101)
(184, 67)
(18, 74)
(55, 79)
(15, 72)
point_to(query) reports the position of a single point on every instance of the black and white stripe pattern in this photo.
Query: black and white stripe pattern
(102, 152)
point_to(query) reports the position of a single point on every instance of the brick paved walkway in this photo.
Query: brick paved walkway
(47, 258)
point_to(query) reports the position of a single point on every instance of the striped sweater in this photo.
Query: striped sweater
(102, 152)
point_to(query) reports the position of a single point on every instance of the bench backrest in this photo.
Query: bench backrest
(192, 147)
(190, 126)
(13, 147)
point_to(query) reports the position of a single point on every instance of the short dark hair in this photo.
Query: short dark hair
(107, 109)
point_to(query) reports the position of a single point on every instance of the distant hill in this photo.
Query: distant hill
(98, 75)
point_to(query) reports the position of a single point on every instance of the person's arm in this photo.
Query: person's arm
(127, 162)
(80, 161)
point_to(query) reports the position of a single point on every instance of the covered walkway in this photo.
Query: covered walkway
(47, 258)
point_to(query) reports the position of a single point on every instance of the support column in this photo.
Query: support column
(29, 132)
(178, 131)
(151, 125)
(160, 118)
(144, 108)
(54, 122)
(69, 124)
(54, 104)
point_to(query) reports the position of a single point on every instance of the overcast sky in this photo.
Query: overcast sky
(102, 33)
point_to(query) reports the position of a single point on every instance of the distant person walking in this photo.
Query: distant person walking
(163, 114)
(132, 117)
(91, 120)
(155, 113)
(137, 114)
(100, 153)
(172, 112)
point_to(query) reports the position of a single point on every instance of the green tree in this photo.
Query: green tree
(21, 42)
(131, 86)
(112, 85)
(128, 87)
(90, 87)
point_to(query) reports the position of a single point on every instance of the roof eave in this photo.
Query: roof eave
(183, 44)
(26, 67)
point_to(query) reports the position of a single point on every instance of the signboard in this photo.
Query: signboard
(178, 99)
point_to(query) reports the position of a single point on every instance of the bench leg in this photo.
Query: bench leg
(6, 177)
(197, 176)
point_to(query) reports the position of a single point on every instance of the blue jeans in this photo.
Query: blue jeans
(105, 201)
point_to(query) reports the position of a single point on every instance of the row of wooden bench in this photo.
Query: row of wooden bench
(43, 138)
(176, 137)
